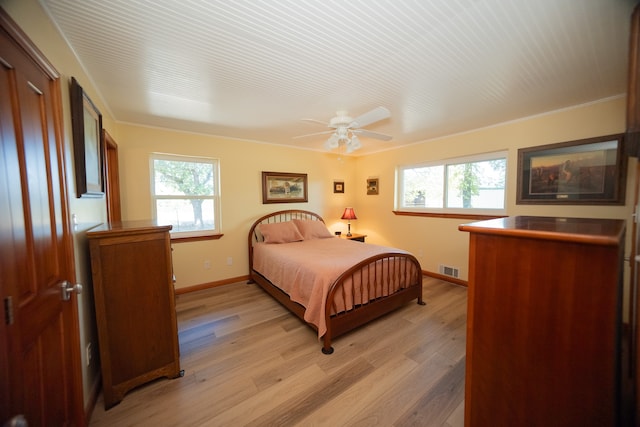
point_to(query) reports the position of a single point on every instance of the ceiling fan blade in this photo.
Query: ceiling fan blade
(313, 134)
(372, 116)
(369, 134)
(315, 121)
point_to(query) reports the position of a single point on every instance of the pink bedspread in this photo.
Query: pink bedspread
(305, 270)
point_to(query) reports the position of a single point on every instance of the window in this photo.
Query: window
(185, 192)
(456, 185)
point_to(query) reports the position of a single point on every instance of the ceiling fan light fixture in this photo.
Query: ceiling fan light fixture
(345, 137)
(346, 128)
(332, 143)
(352, 144)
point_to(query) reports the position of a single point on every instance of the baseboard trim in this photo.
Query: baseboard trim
(446, 278)
(202, 286)
(94, 392)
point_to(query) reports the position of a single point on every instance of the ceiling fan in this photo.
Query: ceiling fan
(345, 129)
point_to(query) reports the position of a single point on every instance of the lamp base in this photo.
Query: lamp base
(349, 234)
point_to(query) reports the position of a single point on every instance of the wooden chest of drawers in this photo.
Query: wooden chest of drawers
(135, 305)
(544, 322)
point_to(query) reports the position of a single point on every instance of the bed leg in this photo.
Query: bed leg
(327, 350)
(421, 301)
(326, 347)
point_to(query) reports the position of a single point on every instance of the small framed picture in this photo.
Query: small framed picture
(338, 186)
(372, 186)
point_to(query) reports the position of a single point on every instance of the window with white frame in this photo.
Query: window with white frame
(474, 184)
(185, 192)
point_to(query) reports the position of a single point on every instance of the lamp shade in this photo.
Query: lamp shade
(349, 214)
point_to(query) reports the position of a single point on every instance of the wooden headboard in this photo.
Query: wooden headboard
(278, 216)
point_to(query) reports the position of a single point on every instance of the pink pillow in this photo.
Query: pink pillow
(312, 229)
(280, 232)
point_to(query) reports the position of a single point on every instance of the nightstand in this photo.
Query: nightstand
(354, 236)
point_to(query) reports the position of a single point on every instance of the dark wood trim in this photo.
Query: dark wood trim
(111, 177)
(94, 393)
(448, 215)
(21, 39)
(633, 89)
(209, 285)
(178, 239)
(449, 279)
(633, 92)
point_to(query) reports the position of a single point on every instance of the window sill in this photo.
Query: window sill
(186, 239)
(478, 217)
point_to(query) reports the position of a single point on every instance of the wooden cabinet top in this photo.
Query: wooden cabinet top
(127, 228)
(580, 230)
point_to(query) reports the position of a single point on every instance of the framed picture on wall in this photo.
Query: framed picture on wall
(372, 186)
(283, 187)
(588, 171)
(338, 186)
(86, 123)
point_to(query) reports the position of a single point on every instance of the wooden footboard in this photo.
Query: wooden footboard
(366, 291)
(389, 280)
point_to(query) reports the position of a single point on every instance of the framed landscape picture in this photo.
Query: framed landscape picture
(588, 171)
(283, 187)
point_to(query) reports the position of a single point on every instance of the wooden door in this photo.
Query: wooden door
(631, 355)
(632, 141)
(39, 354)
(111, 179)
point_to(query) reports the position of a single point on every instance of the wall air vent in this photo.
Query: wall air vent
(448, 271)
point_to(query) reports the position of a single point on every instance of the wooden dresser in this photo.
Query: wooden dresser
(544, 322)
(135, 305)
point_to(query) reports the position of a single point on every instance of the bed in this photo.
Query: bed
(333, 284)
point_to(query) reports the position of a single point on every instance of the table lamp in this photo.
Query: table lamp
(349, 214)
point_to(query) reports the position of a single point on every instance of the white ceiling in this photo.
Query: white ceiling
(252, 69)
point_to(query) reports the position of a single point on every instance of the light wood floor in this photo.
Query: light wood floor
(248, 361)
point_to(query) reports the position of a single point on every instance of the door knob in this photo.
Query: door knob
(66, 289)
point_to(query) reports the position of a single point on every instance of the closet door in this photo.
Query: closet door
(39, 347)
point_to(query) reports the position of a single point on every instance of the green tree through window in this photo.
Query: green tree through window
(476, 182)
(185, 192)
